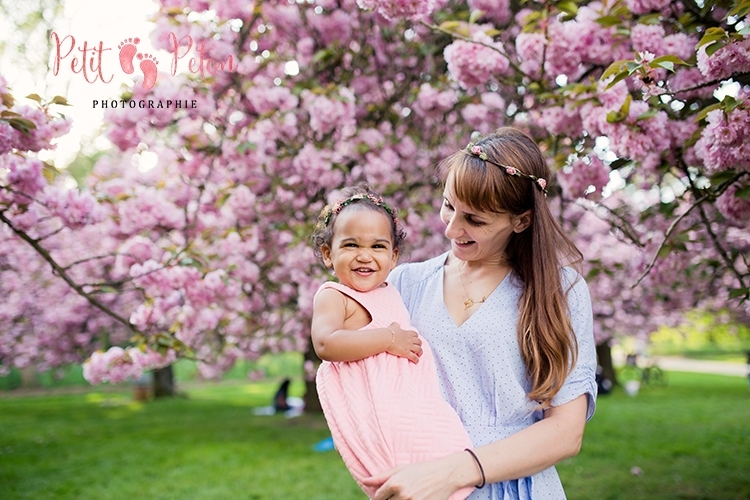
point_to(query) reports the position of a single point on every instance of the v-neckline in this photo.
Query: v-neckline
(445, 307)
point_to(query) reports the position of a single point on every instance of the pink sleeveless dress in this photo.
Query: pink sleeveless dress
(385, 411)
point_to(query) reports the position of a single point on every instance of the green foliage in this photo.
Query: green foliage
(624, 68)
(31, 21)
(82, 165)
(274, 366)
(702, 335)
(71, 375)
(741, 8)
(288, 364)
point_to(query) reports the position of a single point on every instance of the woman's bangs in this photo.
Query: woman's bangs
(477, 183)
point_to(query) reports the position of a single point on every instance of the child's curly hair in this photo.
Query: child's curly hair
(363, 196)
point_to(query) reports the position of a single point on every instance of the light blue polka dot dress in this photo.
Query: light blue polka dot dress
(480, 368)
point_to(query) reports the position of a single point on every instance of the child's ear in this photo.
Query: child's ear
(325, 252)
(522, 222)
(394, 260)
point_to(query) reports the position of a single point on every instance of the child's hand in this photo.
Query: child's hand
(405, 343)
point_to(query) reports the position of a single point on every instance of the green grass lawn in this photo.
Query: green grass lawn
(206, 446)
(689, 440)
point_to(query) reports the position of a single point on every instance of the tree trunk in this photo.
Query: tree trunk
(29, 377)
(604, 360)
(312, 402)
(164, 382)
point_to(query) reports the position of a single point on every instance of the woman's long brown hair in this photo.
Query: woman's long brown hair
(536, 255)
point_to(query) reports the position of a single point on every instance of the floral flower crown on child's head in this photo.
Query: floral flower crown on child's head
(374, 199)
(475, 150)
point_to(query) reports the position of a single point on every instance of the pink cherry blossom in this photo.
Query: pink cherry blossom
(647, 37)
(681, 45)
(334, 27)
(585, 177)
(472, 64)
(75, 208)
(734, 207)
(24, 177)
(496, 10)
(431, 102)
(645, 6)
(733, 57)
(394, 9)
(561, 121)
(563, 55)
(327, 114)
(530, 47)
(725, 141)
(272, 99)
(6, 137)
(119, 365)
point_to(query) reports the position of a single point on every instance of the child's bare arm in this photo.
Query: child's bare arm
(332, 342)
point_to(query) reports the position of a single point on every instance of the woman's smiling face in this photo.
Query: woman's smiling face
(477, 235)
(361, 252)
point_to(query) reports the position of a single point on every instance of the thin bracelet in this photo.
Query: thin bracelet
(393, 338)
(481, 469)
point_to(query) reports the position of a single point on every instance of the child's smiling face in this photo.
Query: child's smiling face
(361, 251)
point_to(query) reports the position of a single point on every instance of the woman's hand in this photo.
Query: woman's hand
(408, 482)
(406, 343)
(434, 480)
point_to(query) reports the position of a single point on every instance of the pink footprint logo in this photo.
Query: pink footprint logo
(148, 66)
(127, 51)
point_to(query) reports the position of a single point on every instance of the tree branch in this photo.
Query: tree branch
(61, 272)
(626, 227)
(702, 85)
(673, 225)
(97, 257)
(719, 248)
(435, 27)
(667, 234)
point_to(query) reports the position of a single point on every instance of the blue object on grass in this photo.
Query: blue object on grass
(325, 445)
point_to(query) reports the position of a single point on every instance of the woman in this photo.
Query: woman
(510, 327)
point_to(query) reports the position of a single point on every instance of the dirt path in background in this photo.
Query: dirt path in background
(677, 364)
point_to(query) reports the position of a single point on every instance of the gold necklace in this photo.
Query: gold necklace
(469, 302)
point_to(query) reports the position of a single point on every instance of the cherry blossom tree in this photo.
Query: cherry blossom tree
(190, 237)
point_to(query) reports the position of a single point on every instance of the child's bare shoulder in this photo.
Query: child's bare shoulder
(329, 297)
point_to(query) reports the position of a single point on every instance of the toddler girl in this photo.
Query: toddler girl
(378, 383)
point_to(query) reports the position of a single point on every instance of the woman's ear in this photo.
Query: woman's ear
(325, 252)
(522, 221)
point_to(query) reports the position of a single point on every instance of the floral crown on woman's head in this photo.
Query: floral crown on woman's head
(477, 151)
(372, 198)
